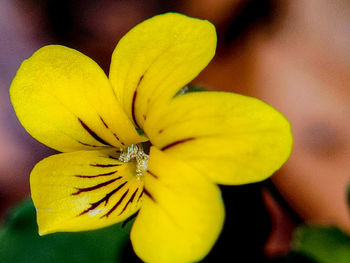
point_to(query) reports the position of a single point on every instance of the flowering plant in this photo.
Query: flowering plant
(132, 144)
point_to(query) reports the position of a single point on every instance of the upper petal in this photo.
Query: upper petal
(231, 138)
(182, 213)
(65, 101)
(157, 58)
(83, 190)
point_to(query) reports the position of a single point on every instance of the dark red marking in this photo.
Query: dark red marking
(133, 102)
(130, 201)
(97, 175)
(117, 204)
(104, 123)
(112, 157)
(92, 133)
(87, 189)
(149, 195)
(176, 143)
(105, 165)
(141, 78)
(133, 108)
(86, 144)
(115, 135)
(104, 199)
(138, 199)
(154, 175)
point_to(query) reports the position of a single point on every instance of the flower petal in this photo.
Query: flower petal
(83, 190)
(65, 101)
(157, 58)
(182, 213)
(231, 138)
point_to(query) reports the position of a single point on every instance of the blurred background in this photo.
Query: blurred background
(292, 54)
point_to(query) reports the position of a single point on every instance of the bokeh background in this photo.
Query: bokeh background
(293, 54)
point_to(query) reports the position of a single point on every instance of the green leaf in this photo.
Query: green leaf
(20, 242)
(323, 244)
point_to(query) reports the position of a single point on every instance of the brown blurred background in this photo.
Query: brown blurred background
(293, 54)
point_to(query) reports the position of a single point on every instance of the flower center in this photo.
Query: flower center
(135, 151)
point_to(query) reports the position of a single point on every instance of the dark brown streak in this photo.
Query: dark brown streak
(141, 78)
(138, 199)
(115, 135)
(87, 189)
(112, 157)
(104, 123)
(117, 204)
(149, 195)
(130, 201)
(92, 133)
(97, 175)
(86, 144)
(154, 175)
(104, 199)
(105, 165)
(133, 102)
(176, 143)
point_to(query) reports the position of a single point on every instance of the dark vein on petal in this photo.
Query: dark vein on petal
(97, 175)
(115, 135)
(149, 195)
(104, 123)
(92, 133)
(105, 165)
(92, 207)
(138, 199)
(177, 143)
(130, 201)
(117, 204)
(112, 157)
(133, 102)
(104, 199)
(86, 144)
(151, 173)
(87, 189)
(114, 191)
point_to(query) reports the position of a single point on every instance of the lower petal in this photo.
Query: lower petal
(83, 191)
(182, 213)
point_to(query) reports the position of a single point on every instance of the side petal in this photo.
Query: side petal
(64, 100)
(83, 191)
(233, 139)
(157, 58)
(182, 213)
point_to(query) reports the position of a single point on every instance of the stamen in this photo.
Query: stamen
(135, 151)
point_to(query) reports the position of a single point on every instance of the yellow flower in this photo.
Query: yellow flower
(65, 101)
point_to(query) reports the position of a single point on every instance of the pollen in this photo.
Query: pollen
(135, 151)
